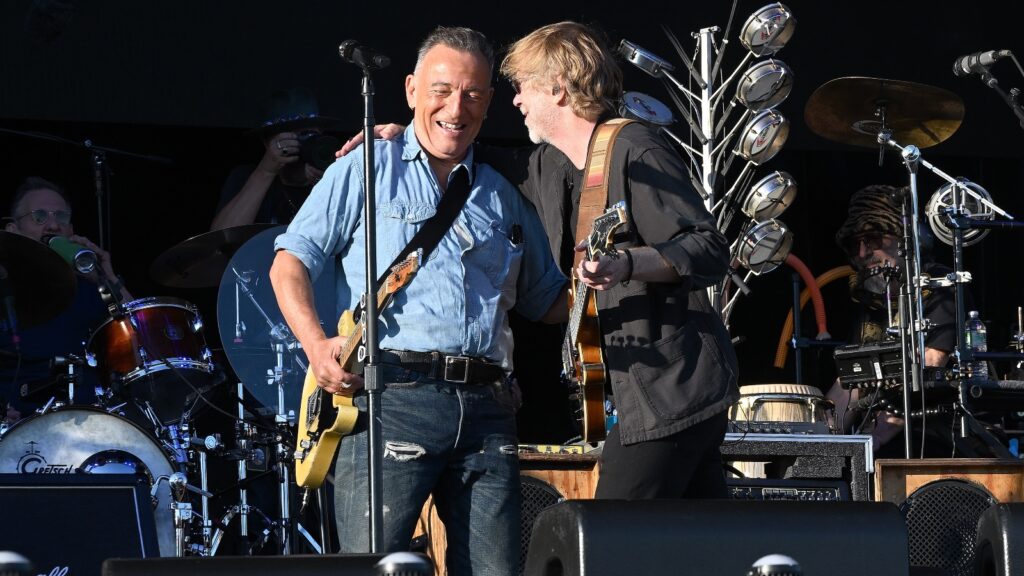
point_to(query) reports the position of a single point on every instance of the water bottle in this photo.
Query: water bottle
(977, 335)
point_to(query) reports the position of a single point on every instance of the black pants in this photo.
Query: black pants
(687, 464)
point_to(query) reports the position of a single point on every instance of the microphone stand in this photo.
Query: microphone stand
(373, 383)
(1011, 99)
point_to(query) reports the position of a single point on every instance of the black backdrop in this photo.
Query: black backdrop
(183, 80)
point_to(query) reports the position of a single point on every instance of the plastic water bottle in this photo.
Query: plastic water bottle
(977, 336)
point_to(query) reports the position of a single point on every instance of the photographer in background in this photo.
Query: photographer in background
(296, 153)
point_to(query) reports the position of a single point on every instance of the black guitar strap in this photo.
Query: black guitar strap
(426, 239)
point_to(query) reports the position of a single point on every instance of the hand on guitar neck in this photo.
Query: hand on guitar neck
(323, 361)
(605, 270)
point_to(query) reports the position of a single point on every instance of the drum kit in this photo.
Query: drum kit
(158, 379)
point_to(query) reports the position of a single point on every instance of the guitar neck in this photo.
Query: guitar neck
(356, 338)
(579, 304)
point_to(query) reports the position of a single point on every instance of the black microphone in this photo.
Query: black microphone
(363, 56)
(7, 292)
(978, 62)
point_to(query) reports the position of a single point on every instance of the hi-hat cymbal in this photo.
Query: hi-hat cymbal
(43, 284)
(199, 262)
(848, 110)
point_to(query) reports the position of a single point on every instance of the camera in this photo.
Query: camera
(317, 149)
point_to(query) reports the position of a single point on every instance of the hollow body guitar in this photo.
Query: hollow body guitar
(582, 361)
(325, 418)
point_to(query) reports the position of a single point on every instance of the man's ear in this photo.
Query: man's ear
(410, 91)
(11, 227)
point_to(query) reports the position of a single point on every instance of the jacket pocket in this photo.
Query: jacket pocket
(681, 374)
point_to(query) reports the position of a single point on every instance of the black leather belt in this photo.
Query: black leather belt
(457, 369)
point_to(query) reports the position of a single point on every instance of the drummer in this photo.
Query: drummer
(40, 208)
(870, 237)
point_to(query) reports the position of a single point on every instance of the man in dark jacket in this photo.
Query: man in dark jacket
(668, 356)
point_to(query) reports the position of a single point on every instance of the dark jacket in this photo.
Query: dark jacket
(669, 357)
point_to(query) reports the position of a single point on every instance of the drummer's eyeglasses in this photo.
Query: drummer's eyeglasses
(871, 241)
(40, 216)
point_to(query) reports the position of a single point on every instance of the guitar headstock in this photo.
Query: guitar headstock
(600, 239)
(402, 273)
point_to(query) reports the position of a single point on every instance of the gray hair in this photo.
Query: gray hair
(457, 38)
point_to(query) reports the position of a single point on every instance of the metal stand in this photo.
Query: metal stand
(913, 325)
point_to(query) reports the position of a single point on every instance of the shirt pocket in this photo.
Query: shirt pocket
(494, 253)
(399, 222)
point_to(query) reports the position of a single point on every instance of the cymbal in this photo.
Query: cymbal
(844, 110)
(43, 284)
(199, 262)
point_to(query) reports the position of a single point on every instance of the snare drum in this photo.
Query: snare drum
(781, 409)
(149, 350)
(89, 440)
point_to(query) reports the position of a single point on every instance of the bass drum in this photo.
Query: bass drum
(89, 440)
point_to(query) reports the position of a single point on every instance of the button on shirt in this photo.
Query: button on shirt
(495, 257)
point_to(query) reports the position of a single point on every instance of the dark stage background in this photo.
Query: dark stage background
(183, 80)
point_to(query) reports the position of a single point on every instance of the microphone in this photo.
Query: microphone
(978, 62)
(353, 52)
(12, 318)
(81, 258)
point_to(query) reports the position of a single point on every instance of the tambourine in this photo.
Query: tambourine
(642, 107)
(763, 246)
(768, 29)
(644, 60)
(763, 137)
(770, 196)
(764, 85)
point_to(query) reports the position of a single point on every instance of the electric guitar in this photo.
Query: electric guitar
(582, 361)
(325, 418)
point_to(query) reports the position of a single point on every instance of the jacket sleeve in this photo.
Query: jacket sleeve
(671, 217)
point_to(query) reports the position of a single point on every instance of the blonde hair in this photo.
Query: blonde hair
(577, 56)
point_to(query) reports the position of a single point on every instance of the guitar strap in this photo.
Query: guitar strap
(594, 197)
(452, 201)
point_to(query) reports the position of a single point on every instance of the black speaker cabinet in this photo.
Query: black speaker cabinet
(298, 565)
(71, 523)
(546, 479)
(942, 501)
(847, 459)
(597, 538)
(999, 550)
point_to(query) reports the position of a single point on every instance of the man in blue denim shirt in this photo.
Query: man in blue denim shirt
(455, 441)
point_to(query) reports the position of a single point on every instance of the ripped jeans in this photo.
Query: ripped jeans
(455, 441)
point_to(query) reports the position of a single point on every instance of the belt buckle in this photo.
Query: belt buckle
(449, 362)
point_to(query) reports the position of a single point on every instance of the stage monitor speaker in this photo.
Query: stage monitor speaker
(942, 501)
(999, 550)
(297, 565)
(598, 538)
(71, 523)
(546, 479)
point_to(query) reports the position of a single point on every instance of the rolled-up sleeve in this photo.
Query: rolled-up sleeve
(540, 281)
(327, 219)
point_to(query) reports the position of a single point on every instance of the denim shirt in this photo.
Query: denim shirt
(493, 258)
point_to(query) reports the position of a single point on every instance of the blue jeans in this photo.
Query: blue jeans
(455, 441)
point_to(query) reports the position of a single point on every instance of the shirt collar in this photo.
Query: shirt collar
(411, 150)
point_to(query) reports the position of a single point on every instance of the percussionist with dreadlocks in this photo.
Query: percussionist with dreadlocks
(870, 236)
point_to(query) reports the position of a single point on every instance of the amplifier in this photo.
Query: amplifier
(818, 490)
(869, 365)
